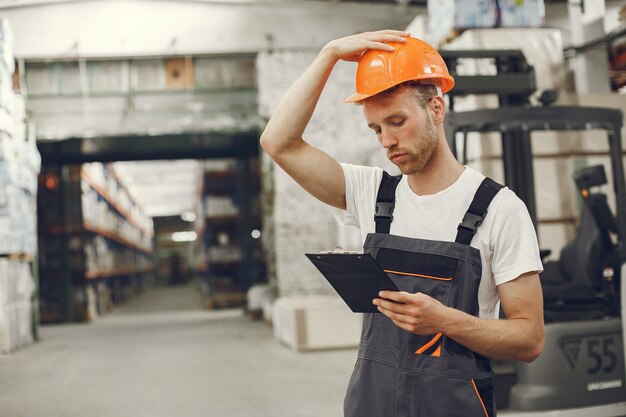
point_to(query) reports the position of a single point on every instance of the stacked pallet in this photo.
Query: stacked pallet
(19, 161)
(16, 307)
(20, 164)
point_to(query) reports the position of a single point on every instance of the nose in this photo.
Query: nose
(387, 139)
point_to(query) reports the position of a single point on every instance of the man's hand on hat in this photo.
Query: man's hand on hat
(352, 47)
(416, 313)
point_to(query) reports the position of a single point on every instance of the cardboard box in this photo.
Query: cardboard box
(313, 323)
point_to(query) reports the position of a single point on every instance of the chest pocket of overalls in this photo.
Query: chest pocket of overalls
(419, 272)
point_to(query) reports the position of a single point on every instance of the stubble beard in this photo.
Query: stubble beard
(426, 148)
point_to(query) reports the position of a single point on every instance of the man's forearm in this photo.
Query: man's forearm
(510, 339)
(294, 111)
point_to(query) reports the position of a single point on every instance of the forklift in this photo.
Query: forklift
(581, 371)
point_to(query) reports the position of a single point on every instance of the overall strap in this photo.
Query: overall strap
(385, 202)
(477, 210)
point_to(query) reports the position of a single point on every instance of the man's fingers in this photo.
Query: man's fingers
(398, 318)
(352, 47)
(379, 46)
(382, 42)
(390, 305)
(389, 313)
(403, 33)
(398, 296)
(386, 37)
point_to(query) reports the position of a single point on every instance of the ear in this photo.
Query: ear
(438, 108)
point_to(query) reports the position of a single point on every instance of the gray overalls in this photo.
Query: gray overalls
(399, 374)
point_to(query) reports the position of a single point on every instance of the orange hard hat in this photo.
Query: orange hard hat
(411, 60)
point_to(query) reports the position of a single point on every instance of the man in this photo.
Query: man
(427, 353)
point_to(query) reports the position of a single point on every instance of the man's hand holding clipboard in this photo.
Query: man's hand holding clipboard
(356, 277)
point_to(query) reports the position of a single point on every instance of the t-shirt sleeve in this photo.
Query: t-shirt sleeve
(515, 249)
(361, 185)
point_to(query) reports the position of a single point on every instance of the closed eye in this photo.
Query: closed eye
(398, 123)
(376, 130)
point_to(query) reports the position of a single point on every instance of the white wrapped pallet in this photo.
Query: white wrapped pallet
(257, 296)
(7, 287)
(25, 284)
(16, 308)
(7, 147)
(9, 171)
(23, 174)
(20, 163)
(24, 318)
(8, 213)
(5, 330)
(33, 157)
(8, 329)
(6, 91)
(6, 122)
(13, 275)
(7, 59)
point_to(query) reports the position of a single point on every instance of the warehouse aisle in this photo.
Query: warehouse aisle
(162, 355)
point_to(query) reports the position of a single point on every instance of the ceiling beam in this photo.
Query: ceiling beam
(212, 145)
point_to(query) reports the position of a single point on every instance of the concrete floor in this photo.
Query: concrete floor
(162, 355)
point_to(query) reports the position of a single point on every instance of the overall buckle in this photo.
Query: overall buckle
(384, 210)
(471, 221)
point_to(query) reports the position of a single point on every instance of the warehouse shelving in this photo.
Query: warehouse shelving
(228, 258)
(115, 237)
(104, 193)
(96, 244)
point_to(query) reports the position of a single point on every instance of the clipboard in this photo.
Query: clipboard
(357, 278)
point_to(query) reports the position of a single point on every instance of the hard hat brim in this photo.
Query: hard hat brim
(356, 97)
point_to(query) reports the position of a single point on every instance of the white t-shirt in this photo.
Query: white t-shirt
(506, 239)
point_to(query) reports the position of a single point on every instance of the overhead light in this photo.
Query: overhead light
(184, 236)
(188, 216)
